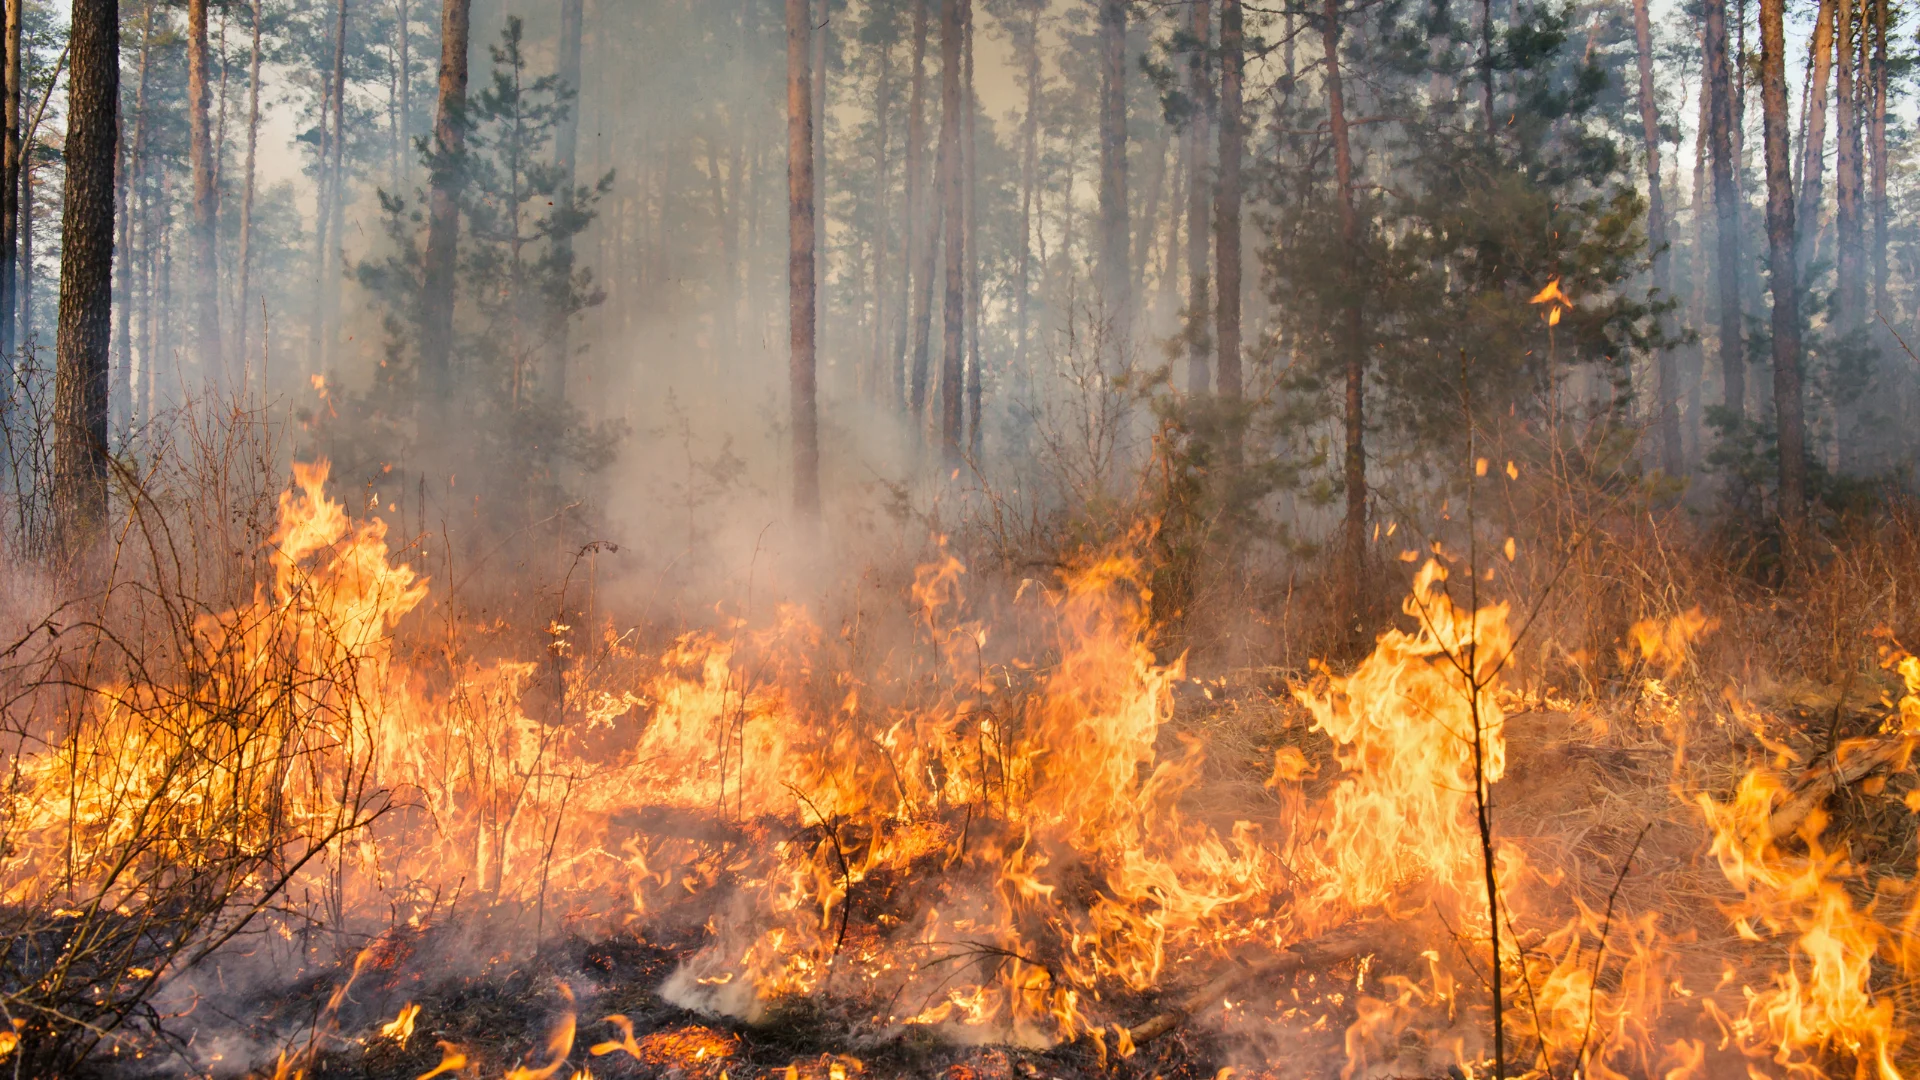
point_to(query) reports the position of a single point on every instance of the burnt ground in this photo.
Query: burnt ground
(502, 1014)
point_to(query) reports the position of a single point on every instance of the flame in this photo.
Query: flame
(452, 1060)
(400, 1028)
(991, 832)
(1404, 724)
(1824, 1001)
(1667, 644)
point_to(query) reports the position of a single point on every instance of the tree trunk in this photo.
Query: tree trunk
(120, 392)
(1352, 345)
(205, 271)
(10, 160)
(404, 18)
(1699, 264)
(1850, 298)
(879, 379)
(332, 275)
(1813, 148)
(822, 25)
(953, 344)
(916, 271)
(1199, 283)
(443, 208)
(136, 266)
(1877, 148)
(245, 318)
(86, 277)
(1028, 38)
(1726, 208)
(322, 218)
(976, 386)
(1226, 207)
(800, 262)
(566, 149)
(1113, 267)
(1667, 393)
(1786, 291)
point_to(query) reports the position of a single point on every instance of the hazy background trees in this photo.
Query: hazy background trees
(1307, 247)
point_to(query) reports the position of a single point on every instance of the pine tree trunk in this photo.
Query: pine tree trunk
(822, 25)
(1813, 148)
(1352, 344)
(10, 160)
(1113, 266)
(86, 277)
(404, 19)
(801, 261)
(916, 269)
(566, 149)
(1700, 269)
(1667, 393)
(1787, 397)
(245, 318)
(1877, 147)
(1226, 207)
(205, 270)
(1850, 299)
(136, 264)
(322, 219)
(1029, 47)
(443, 209)
(1726, 208)
(1199, 279)
(954, 341)
(976, 385)
(120, 392)
(1146, 226)
(333, 274)
(879, 380)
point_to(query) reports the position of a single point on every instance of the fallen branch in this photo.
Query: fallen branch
(1853, 761)
(1322, 952)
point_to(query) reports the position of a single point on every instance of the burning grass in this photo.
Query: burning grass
(981, 827)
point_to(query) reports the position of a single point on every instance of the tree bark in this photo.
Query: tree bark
(566, 149)
(953, 343)
(1352, 344)
(1726, 201)
(205, 273)
(917, 302)
(86, 277)
(822, 25)
(443, 209)
(1877, 147)
(800, 261)
(1786, 291)
(333, 275)
(1667, 393)
(136, 265)
(1114, 261)
(1199, 281)
(245, 317)
(10, 160)
(1813, 149)
(879, 379)
(322, 220)
(1226, 207)
(120, 390)
(976, 385)
(1850, 298)
(1028, 44)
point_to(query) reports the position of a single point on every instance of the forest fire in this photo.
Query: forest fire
(999, 836)
(962, 539)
